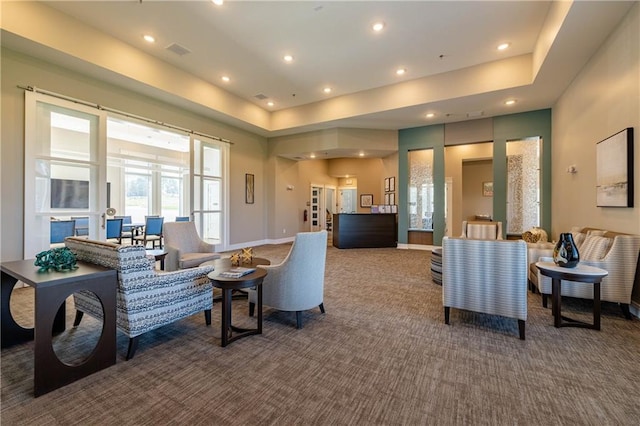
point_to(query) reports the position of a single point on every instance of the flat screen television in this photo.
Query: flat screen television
(69, 194)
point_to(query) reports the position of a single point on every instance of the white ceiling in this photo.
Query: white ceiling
(440, 43)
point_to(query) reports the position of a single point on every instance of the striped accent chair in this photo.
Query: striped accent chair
(482, 230)
(487, 276)
(146, 299)
(614, 252)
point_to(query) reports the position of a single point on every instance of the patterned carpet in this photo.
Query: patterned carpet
(381, 355)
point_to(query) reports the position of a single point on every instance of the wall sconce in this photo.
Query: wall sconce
(289, 187)
(572, 169)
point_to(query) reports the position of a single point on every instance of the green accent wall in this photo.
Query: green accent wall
(505, 128)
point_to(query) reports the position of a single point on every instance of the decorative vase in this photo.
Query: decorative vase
(565, 253)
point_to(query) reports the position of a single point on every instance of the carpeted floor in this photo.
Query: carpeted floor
(381, 355)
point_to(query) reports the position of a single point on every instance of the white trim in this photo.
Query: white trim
(403, 246)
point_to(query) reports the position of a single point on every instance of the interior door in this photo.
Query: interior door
(65, 169)
(316, 206)
(209, 189)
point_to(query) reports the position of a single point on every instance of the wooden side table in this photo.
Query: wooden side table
(581, 273)
(51, 291)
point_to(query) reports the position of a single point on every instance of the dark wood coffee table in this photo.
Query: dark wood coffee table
(228, 285)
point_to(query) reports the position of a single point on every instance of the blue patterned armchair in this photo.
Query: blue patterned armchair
(146, 299)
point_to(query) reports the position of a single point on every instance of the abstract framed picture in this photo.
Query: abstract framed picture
(249, 187)
(614, 170)
(366, 200)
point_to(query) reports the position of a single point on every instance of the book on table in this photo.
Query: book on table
(236, 272)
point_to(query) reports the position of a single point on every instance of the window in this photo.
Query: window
(421, 189)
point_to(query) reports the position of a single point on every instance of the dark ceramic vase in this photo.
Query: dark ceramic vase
(565, 253)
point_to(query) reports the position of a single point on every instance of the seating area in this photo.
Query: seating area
(184, 247)
(617, 253)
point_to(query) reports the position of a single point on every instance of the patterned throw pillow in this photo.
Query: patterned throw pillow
(595, 247)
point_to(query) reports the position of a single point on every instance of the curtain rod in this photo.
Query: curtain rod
(125, 114)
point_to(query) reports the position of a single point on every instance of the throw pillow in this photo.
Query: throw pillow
(578, 238)
(595, 247)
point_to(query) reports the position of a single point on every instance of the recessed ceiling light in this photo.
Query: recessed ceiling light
(149, 38)
(288, 58)
(361, 154)
(430, 115)
(510, 102)
(225, 78)
(401, 71)
(312, 156)
(218, 2)
(270, 104)
(327, 90)
(378, 26)
(503, 46)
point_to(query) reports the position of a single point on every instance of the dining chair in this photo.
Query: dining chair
(61, 229)
(127, 229)
(114, 229)
(152, 232)
(82, 225)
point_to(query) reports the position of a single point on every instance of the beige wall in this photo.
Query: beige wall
(248, 152)
(454, 156)
(474, 173)
(602, 100)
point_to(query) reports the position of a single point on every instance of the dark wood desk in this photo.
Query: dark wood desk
(228, 285)
(51, 291)
(364, 230)
(581, 273)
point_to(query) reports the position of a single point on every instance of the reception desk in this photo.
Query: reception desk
(364, 230)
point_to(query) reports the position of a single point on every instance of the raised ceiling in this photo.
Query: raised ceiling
(448, 48)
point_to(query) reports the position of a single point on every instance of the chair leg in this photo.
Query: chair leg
(544, 300)
(625, 310)
(207, 316)
(447, 311)
(252, 308)
(321, 306)
(133, 345)
(298, 320)
(79, 314)
(521, 328)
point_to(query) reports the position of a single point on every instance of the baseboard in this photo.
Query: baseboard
(239, 246)
(404, 246)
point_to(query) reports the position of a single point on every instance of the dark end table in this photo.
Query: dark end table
(228, 285)
(51, 291)
(581, 273)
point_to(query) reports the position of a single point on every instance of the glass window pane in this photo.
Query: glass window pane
(137, 197)
(421, 189)
(212, 161)
(211, 228)
(171, 195)
(211, 196)
(523, 185)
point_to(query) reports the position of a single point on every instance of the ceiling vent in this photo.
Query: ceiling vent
(473, 114)
(177, 49)
(261, 96)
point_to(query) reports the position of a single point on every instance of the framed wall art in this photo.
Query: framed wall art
(614, 170)
(366, 200)
(249, 186)
(487, 189)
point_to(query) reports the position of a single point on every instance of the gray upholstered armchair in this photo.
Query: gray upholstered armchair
(487, 276)
(482, 230)
(297, 283)
(184, 247)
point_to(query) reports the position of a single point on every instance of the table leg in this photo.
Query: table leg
(556, 300)
(12, 332)
(259, 309)
(226, 316)
(596, 306)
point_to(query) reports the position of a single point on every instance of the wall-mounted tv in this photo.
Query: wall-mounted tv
(69, 194)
